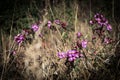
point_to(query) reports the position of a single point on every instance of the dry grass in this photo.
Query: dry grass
(38, 60)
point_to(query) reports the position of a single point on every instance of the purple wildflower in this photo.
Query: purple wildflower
(71, 59)
(72, 55)
(19, 38)
(81, 55)
(62, 55)
(71, 52)
(98, 16)
(109, 28)
(49, 24)
(100, 19)
(84, 43)
(103, 22)
(79, 35)
(57, 21)
(91, 22)
(107, 40)
(35, 27)
(13, 52)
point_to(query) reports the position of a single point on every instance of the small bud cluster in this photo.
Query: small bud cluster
(101, 21)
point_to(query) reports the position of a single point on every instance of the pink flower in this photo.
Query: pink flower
(71, 52)
(72, 55)
(109, 28)
(71, 59)
(79, 35)
(57, 21)
(107, 40)
(49, 24)
(84, 43)
(81, 55)
(103, 22)
(19, 38)
(62, 55)
(14, 52)
(91, 22)
(100, 19)
(35, 27)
